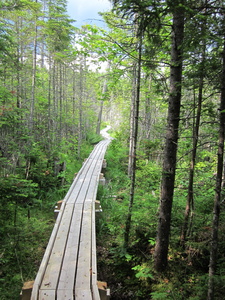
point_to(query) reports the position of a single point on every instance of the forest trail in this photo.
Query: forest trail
(69, 269)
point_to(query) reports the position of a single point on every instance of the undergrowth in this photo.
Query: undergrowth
(129, 272)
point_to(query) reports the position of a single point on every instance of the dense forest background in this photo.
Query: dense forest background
(157, 76)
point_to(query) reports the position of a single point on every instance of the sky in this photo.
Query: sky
(86, 11)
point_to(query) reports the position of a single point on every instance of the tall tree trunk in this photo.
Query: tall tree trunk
(74, 127)
(147, 115)
(134, 138)
(216, 209)
(80, 105)
(34, 69)
(170, 151)
(50, 119)
(54, 101)
(190, 197)
(18, 69)
(132, 119)
(60, 100)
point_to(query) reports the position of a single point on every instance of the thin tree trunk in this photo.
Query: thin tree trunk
(60, 99)
(80, 108)
(50, 120)
(18, 71)
(34, 68)
(134, 138)
(54, 101)
(216, 209)
(132, 120)
(170, 151)
(147, 116)
(190, 198)
(74, 103)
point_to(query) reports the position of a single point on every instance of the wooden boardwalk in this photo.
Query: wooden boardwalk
(68, 270)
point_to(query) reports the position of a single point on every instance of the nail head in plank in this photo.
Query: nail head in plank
(47, 295)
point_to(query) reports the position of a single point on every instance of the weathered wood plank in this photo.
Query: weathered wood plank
(68, 271)
(78, 182)
(43, 266)
(83, 275)
(81, 294)
(79, 192)
(95, 293)
(47, 295)
(65, 295)
(88, 193)
(53, 269)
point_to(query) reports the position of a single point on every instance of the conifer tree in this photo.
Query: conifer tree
(170, 150)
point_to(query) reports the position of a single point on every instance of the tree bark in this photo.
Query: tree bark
(134, 145)
(80, 104)
(170, 150)
(132, 120)
(190, 197)
(34, 70)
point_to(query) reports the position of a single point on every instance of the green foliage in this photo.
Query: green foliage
(117, 163)
(15, 189)
(186, 278)
(40, 145)
(93, 138)
(6, 41)
(21, 250)
(143, 272)
(159, 295)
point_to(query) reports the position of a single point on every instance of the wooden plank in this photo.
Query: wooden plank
(79, 192)
(95, 292)
(47, 295)
(35, 290)
(87, 194)
(52, 271)
(43, 266)
(83, 192)
(89, 183)
(78, 182)
(83, 275)
(65, 294)
(76, 191)
(67, 276)
(81, 294)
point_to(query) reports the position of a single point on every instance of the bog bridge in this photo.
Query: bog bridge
(68, 270)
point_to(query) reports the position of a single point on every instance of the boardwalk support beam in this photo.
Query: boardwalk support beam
(101, 179)
(57, 208)
(26, 290)
(98, 207)
(104, 292)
